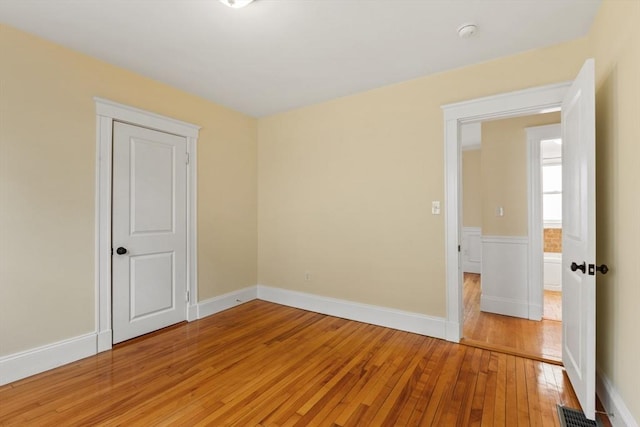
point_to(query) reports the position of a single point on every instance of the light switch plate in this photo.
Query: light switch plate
(435, 207)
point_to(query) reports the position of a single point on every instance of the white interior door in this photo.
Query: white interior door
(148, 230)
(579, 238)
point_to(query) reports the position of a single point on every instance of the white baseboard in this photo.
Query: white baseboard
(105, 340)
(192, 312)
(536, 312)
(223, 302)
(452, 331)
(17, 366)
(21, 365)
(375, 315)
(24, 364)
(506, 306)
(619, 414)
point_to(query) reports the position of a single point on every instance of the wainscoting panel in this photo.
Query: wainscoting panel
(472, 250)
(504, 276)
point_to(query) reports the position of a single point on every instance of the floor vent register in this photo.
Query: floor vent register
(575, 418)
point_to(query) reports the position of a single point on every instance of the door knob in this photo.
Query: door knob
(121, 250)
(604, 269)
(582, 267)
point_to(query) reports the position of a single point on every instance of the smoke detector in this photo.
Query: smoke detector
(466, 31)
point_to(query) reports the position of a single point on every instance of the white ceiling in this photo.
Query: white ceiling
(275, 55)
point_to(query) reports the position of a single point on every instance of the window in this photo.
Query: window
(552, 193)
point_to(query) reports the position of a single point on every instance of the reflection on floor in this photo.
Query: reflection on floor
(552, 305)
(539, 340)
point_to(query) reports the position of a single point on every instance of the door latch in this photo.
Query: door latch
(601, 268)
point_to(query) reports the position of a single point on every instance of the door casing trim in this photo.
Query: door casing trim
(106, 112)
(519, 103)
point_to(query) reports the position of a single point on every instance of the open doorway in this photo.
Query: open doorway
(545, 200)
(577, 101)
(552, 227)
(501, 308)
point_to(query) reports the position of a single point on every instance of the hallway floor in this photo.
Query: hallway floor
(541, 340)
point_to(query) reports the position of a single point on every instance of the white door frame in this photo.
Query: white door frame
(106, 112)
(524, 102)
(535, 135)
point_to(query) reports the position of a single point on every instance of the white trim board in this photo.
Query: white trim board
(106, 113)
(226, 301)
(617, 410)
(375, 315)
(27, 363)
(528, 101)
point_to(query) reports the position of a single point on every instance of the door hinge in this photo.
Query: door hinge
(111, 251)
(187, 158)
(458, 248)
(187, 296)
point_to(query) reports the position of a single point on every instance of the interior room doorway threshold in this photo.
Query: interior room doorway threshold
(510, 350)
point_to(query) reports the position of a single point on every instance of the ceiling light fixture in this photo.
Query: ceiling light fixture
(467, 30)
(236, 4)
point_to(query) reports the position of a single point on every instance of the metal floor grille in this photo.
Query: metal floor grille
(574, 418)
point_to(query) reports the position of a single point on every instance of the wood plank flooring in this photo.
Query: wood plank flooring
(539, 340)
(552, 305)
(262, 364)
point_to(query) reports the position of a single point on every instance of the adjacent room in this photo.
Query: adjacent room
(320, 212)
(499, 158)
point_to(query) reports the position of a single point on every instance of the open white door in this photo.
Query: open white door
(149, 230)
(579, 237)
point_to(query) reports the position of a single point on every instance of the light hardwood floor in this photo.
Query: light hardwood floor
(552, 305)
(265, 364)
(539, 340)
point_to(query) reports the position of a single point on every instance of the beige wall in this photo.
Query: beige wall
(616, 47)
(504, 173)
(345, 187)
(47, 180)
(471, 188)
